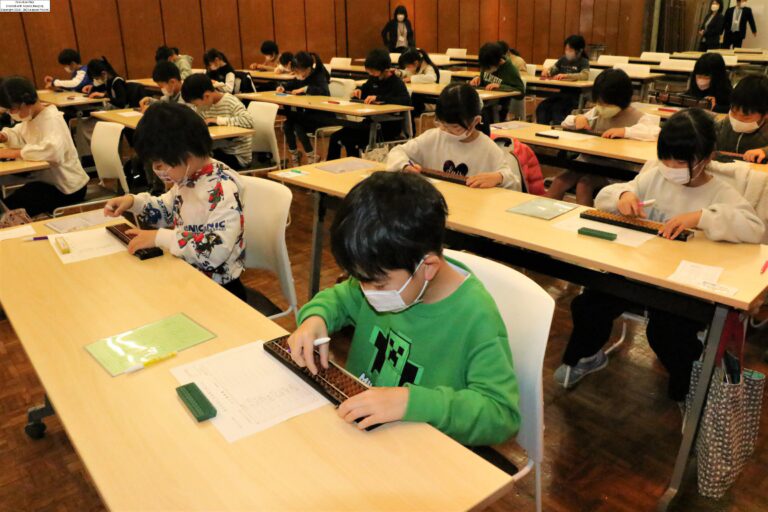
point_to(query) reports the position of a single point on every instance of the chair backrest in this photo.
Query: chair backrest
(681, 64)
(634, 69)
(655, 55)
(612, 59)
(105, 148)
(266, 205)
(264, 138)
(446, 76)
(342, 87)
(731, 60)
(395, 58)
(547, 64)
(340, 61)
(531, 69)
(527, 313)
(593, 72)
(440, 59)
(456, 52)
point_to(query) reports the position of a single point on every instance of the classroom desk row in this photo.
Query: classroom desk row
(479, 221)
(145, 451)
(130, 119)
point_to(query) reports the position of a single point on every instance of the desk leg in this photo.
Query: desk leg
(317, 244)
(644, 86)
(694, 418)
(408, 124)
(35, 427)
(371, 135)
(582, 99)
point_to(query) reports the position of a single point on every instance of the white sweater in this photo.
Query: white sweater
(201, 222)
(47, 138)
(435, 149)
(647, 128)
(726, 215)
(424, 75)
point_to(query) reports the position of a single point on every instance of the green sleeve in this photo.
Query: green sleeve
(485, 412)
(510, 78)
(337, 305)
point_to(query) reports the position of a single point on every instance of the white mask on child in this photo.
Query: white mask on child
(68, 69)
(607, 111)
(97, 82)
(741, 126)
(679, 175)
(19, 119)
(401, 18)
(167, 92)
(571, 56)
(703, 83)
(390, 301)
(166, 178)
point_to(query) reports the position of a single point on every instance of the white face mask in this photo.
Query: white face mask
(400, 18)
(166, 178)
(390, 301)
(741, 126)
(462, 137)
(679, 175)
(97, 82)
(571, 56)
(167, 92)
(703, 83)
(607, 111)
(68, 69)
(19, 119)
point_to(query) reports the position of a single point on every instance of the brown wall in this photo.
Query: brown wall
(128, 31)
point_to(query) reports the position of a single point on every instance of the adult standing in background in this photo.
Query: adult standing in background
(735, 24)
(712, 27)
(398, 33)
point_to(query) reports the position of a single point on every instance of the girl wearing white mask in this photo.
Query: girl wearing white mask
(711, 27)
(457, 146)
(687, 197)
(745, 129)
(709, 80)
(397, 34)
(40, 134)
(108, 84)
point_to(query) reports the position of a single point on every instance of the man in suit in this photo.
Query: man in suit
(735, 24)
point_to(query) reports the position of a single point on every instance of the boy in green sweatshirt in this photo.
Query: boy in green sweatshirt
(428, 335)
(497, 72)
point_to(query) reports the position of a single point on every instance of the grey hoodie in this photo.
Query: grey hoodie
(184, 63)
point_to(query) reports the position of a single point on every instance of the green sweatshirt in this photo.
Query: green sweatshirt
(507, 76)
(453, 355)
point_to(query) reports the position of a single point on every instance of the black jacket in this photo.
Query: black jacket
(389, 34)
(390, 90)
(713, 30)
(316, 84)
(746, 17)
(122, 94)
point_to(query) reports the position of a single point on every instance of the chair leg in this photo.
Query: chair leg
(537, 469)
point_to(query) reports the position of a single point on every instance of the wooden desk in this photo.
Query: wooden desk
(480, 222)
(271, 76)
(20, 166)
(148, 83)
(759, 59)
(63, 99)
(434, 90)
(643, 79)
(131, 121)
(350, 71)
(654, 109)
(144, 450)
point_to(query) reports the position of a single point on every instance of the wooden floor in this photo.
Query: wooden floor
(610, 443)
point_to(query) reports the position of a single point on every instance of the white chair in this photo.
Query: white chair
(731, 60)
(105, 148)
(634, 69)
(593, 73)
(527, 313)
(547, 64)
(266, 206)
(342, 87)
(440, 59)
(445, 76)
(661, 56)
(340, 61)
(678, 64)
(612, 59)
(264, 138)
(456, 52)
(395, 58)
(531, 68)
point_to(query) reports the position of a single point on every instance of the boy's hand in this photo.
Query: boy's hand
(302, 345)
(253, 66)
(407, 79)
(357, 93)
(545, 73)
(582, 123)
(117, 205)
(10, 153)
(678, 223)
(376, 406)
(560, 76)
(369, 99)
(48, 81)
(280, 89)
(754, 155)
(87, 88)
(210, 121)
(475, 81)
(144, 104)
(297, 92)
(614, 133)
(3, 137)
(712, 101)
(629, 205)
(492, 87)
(485, 180)
(142, 239)
(97, 95)
(415, 168)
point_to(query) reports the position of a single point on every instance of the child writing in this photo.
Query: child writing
(271, 54)
(687, 197)
(40, 134)
(745, 129)
(220, 71)
(222, 109)
(456, 146)
(425, 362)
(417, 68)
(107, 84)
(78, 79)
(182, 62)
(709, 80)
(200, 219)
(612, 117)
(168, 78)
(573, 65)
(497, 72)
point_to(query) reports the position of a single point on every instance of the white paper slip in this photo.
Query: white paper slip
(295, 173)
(564, 135)
(85, 245)
(250, 390)
(696, 274)
(17, 232)
(78, 222)
(509, 125)
(130, 114)
(341, 166)
(628, 237)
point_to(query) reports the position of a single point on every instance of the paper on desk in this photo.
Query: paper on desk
(562, 134)
(87, 244)
(342, 166)
(295, 173)
(77, 222)
(509, 125)
(628, 237)
(250, 390)
(701, 276)
(130, 114)
(338, 102)
(17, 232)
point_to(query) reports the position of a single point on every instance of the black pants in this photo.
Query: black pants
(300, 124)
(488, 113)
(732, 39)
(237, 289)
(355, 138)
(38, 197)
(229, 160)
(671, 337)
(556, 108)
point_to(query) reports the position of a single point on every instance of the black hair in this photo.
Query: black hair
(490, 54)
(67, 56)
(504, 45)
(578, 43)
(458, 103)
(400, 9)
(286, 58)
(613, 87)
(311, 61)
(163, 53)
(212, 54)
(378, 59)
(171, 133)
(417, 56)
(751, 95)
(175, 50)
(16, 91)
(195, 86)
(165, 71)
(98, 66)
(388, 221)
(712, 65)
(269, 48)
(689, 136)
(720, 2)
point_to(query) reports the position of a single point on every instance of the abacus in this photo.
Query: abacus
(635, 223)
(445, 176)
(677, 99)
(119, 232)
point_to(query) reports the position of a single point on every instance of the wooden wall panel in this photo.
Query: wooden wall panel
(340, 7)
(612, 25)
(489, 21)
(142, 29)
(365, 21)
(447, 25)
(290, 32)
(572, 10)
(557, 14)
(48, 34)
(633, 18)
(14, 59)
(525, 27)
(256, 26)
(105, 41)
(585, 19)
(541, 19)
(425, 25)
(469, 25)
(508, 22)
(183, 28)
(321, 28)
(599, 24)
(410, 6)
(221, 29)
